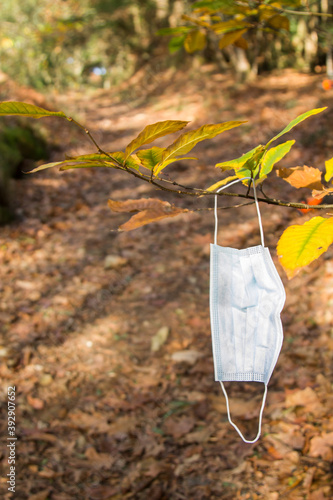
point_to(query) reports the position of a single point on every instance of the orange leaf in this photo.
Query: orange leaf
(274, 453)
(319, 195)
(300, 177)
(327, 84)
(150, 210)
(310, 201)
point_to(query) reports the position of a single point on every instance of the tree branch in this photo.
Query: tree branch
(193, 191)
(302, 13)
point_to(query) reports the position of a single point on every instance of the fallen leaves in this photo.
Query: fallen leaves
(101, 492)
(99, 460)
(150, 210)
(306, 397)
(116, 393)
(178, 427)
(35, 403)
(322, 446)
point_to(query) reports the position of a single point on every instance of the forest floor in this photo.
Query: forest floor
(99, 414)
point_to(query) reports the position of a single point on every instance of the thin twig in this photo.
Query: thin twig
(221, 208)
(303, 13)
(99, 149)
(192, 191)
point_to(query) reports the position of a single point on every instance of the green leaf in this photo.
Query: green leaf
(187, 141)
(176, 43)
(239, 162)
(230, 38)
(221, 183)
(252, 164)
(195, 40)
(329, 170)
(273, 156)
(152, 132)
(296, 121)
(25, 109)
(150, 157)
(128, 162)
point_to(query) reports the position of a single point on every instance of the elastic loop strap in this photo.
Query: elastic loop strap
(257, 205)
(260, 415)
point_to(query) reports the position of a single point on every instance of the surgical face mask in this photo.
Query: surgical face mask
(246, 299)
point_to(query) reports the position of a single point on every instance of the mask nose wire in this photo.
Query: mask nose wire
(257, 206)
(260, 415)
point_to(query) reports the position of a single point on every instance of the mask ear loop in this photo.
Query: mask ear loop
(257, 206)
(260, 415)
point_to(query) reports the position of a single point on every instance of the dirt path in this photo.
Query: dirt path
(99, 414)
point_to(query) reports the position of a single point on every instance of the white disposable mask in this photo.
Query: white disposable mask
(246, 299)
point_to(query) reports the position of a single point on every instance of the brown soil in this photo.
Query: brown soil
(99, 415)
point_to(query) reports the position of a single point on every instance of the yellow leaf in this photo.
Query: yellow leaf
(198, 21)
(300, 177)
(237, 163)
(187, 141)
(195, 40)
(25, 109)
(299, 245)
(221, 183)
(230, 26)
(241, 43)
(154, 131)
(279, 22)
(329, 170)
(165, 163)
(265, 12)
(70, 164)
(230, 38)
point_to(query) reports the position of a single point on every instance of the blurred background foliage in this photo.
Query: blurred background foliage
(254, 36)
(71, 43)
